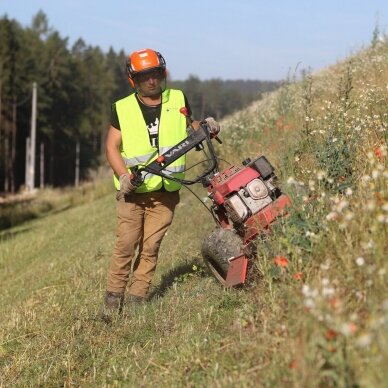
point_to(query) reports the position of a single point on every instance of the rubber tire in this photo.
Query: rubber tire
(217, 248)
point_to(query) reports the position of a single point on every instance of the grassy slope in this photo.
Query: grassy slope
(319, 321)
(52, 280)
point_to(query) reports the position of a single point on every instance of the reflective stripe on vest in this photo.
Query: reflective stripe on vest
(136, 146)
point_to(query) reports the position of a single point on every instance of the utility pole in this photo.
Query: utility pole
(77, 156)
(41, 160)
(28, 162)
(31, 172)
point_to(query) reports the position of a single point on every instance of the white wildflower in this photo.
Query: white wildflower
(382, 272)
(365, 179)
(371, 244)
(360, 261)
(334, 199)
(320, 175)
(306, 290)
(328, 291)
(291, 180)
(348, 329)
(348, 192)
(371, 205)
(354, 317)
(309, 292)
(343, 225)
(342, 205)
(360, 295)
(309, 303)
(364, 340)
(332, 216)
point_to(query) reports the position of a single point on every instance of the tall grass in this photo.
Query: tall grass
(315, 310)
(26, 206)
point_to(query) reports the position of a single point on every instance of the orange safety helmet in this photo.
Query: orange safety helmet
(142, 61)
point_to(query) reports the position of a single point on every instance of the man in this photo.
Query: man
(144, 125)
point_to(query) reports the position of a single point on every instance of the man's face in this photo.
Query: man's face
(148, 83)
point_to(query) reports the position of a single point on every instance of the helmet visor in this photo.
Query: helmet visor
(156, 73)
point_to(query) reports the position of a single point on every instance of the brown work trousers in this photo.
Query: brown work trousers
(142, 222)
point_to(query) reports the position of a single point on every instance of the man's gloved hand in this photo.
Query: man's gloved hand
(127, 184)
(212, 125)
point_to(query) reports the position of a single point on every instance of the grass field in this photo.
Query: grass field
(315, 314)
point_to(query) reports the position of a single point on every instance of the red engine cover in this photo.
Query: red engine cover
(229, 181)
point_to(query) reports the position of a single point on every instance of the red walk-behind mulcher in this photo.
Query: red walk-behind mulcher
(245, 201)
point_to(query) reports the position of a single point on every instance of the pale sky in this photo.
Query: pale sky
(227, 39)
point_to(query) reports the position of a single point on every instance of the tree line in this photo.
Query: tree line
(76, 86)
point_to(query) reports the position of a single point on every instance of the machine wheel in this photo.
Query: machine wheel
(217, 248)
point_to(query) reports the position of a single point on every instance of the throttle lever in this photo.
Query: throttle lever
(136, 178)
(218, 139)
(212, 136)
(189, 121)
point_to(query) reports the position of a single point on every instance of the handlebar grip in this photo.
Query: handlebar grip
(136, 178)
(212, 136)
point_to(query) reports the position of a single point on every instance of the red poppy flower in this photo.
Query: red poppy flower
(281, 261)
(298, 276)
(293, 364)
(331, 334)
(334, 303)
(378, 153)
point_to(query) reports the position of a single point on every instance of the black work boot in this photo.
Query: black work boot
(113, 304)
(113, 300)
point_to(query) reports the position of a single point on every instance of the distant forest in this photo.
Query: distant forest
(75, 89)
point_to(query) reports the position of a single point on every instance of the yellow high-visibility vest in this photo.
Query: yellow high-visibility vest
(136, 148)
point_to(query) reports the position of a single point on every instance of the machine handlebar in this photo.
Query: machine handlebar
(194, 140)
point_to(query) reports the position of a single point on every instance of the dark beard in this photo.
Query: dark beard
(154, 93)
